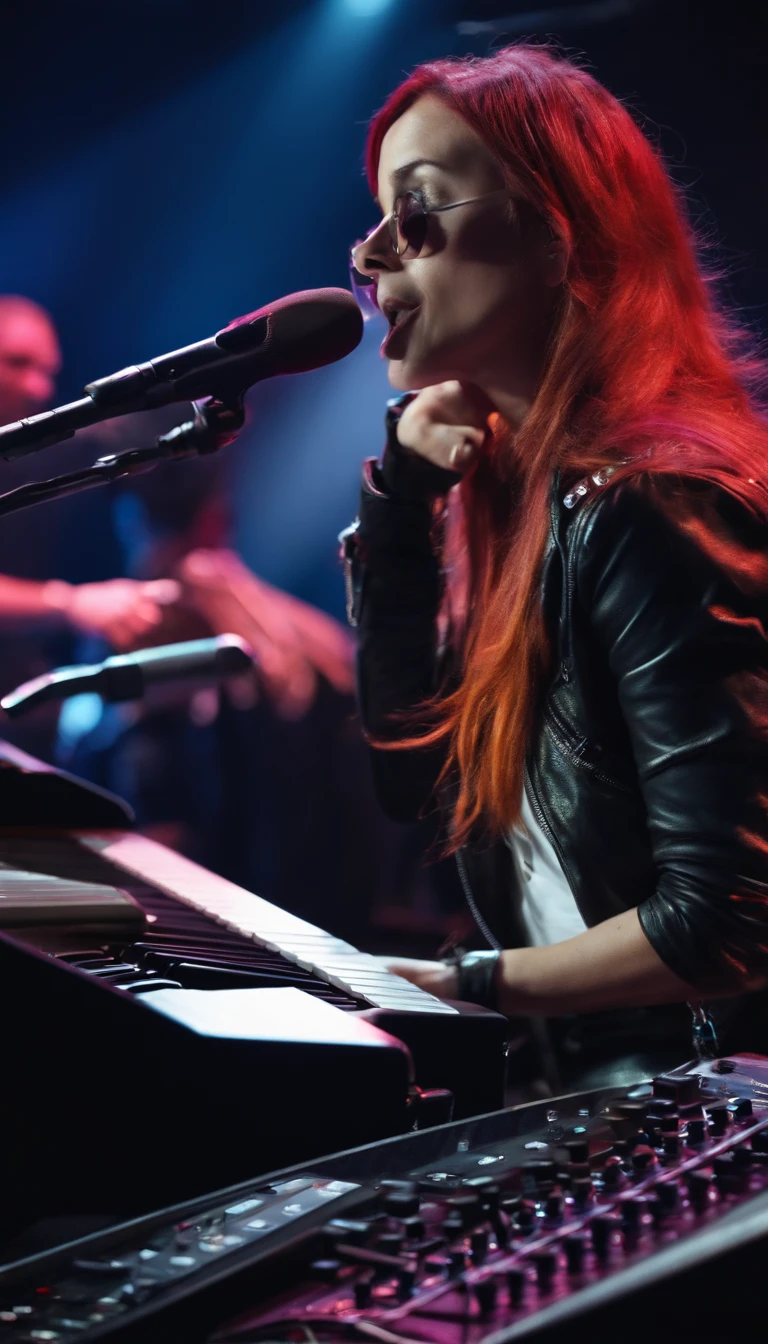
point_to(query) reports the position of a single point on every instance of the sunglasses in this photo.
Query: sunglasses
(407, 224)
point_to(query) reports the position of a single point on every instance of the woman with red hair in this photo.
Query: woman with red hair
(560, 569)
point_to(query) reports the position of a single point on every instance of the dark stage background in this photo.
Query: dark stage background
(166, 165)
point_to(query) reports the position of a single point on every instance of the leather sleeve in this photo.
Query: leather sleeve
(682, 623)
(397, 664)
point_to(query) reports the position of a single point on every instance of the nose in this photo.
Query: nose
(376, 253)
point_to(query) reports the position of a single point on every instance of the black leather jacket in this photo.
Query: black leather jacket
(649, 764)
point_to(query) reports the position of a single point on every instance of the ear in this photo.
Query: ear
(555, 262)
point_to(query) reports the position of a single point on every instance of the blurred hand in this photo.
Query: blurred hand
(447, 424)
(433, 976)
(122, 611)
(293, 642)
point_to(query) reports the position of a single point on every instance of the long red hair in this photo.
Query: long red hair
(642, 364)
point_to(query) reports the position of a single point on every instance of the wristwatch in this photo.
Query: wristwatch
(477, 975)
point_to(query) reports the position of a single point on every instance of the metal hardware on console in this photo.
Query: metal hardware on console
(642, 1211)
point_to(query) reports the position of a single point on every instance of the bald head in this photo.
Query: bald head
(30, 358)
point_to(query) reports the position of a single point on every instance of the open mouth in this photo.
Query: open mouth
(397, 312)
(398, 318)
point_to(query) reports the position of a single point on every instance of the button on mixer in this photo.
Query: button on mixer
(682, 1089)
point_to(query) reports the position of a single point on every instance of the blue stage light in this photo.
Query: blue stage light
(365, 9)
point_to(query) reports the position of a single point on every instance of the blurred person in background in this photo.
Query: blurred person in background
(264, 780)
(48, 553)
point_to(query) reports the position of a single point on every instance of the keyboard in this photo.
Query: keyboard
(190, 1033)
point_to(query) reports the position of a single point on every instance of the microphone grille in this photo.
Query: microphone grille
(304, 331)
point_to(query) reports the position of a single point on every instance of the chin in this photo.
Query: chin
(410, 375)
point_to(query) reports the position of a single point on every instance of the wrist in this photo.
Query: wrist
(56, 596)
(478, 977)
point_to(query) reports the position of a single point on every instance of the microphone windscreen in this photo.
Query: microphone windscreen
(304, 331)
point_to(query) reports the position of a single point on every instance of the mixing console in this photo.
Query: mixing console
(634, 1209)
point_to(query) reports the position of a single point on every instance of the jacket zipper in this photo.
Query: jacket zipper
(472, 903)
(544, 824)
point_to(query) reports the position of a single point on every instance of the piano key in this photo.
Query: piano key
(211, 919)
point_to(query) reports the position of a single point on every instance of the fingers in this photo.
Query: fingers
(162, 591)
(461, 454)
(446, 424)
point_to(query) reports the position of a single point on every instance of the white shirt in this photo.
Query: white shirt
(548, 910)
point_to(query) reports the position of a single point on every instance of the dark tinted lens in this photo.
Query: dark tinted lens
(411, 224)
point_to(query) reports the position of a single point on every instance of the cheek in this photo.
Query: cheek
(477, 306)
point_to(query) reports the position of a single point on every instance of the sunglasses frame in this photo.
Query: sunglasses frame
(364, 287)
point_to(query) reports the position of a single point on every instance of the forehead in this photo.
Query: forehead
(430, 130)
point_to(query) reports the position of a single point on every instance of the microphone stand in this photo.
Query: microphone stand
(215, 423)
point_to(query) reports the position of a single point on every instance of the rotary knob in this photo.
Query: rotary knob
(696, 1132)
(731, 1175)
(545, 1262)
(537, 1170)
(613, 1174)
(467, 1206)
(553, 1208)
(402, 1203)
(719, 1120)
(672, 1147)
(699, 1186)
(390, 1243)
(525, 1216)
(577, 1150)
(603, 1229)
(667, 1193)
(516, 1285)
(485, 1293)
(643, 1157)
(581, 1189)
(575, 1247)
(363, 1291)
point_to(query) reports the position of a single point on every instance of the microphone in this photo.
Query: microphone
(291, 335)
(126, 676)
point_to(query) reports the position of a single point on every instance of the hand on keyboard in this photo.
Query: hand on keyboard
(434, 976)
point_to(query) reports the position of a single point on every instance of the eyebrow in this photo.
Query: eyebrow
(400, 174)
